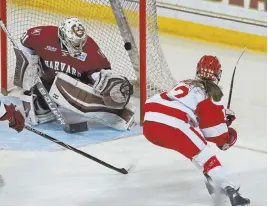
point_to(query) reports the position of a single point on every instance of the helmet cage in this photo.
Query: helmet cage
(73, 37)
(209, 68)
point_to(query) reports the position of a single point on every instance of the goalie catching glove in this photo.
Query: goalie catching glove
(116, 90)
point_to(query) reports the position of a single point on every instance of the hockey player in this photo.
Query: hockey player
(77, 75)
(185, 118)
(15, 118)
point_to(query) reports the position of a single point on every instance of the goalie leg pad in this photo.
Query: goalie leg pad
(35, 113)
(82, 99)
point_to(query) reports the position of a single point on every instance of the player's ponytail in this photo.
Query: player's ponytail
(213, 91)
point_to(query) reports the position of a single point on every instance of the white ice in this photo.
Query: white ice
(159, 176)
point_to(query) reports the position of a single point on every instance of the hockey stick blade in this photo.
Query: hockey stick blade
(69, 147)
(124, 171)
(232, 81)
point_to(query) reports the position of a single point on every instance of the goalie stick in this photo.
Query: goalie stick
(21, 66)
(120, 170)
(232, 81)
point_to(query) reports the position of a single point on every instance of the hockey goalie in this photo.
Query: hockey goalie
(77, 75)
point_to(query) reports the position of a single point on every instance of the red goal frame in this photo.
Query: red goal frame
(143, 90)
(3, 48)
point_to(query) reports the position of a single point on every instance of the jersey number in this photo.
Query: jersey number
(177, 92)
(180, 91)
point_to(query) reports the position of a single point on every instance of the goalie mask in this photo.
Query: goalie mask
(209, 68)
(73, 36)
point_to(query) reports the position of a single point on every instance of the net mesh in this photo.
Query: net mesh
(101, 25)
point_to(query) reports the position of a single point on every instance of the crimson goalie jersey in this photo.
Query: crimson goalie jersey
(44, 41)
(191, 105)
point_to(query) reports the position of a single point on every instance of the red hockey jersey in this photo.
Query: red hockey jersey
(54, 56)
(189, 104)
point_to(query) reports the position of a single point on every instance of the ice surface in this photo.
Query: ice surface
(159, 176)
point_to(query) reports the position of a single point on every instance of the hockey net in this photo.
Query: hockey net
(105, 23)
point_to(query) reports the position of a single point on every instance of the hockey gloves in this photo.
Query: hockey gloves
(231, 141)
(230, 116)
(15, 118)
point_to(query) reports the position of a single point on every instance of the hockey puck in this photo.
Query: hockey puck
(128, 46)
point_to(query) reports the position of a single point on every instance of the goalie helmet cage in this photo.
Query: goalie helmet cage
(114, 25)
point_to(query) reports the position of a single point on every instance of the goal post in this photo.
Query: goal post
(3, 48)
(142, 22)
(125, 30)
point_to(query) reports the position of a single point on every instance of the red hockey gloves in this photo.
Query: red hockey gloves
(230, 116)
(15, 118)
(231, 141)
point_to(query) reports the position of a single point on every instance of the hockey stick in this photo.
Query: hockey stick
(21, 65)
(232, 81)
(120, 170)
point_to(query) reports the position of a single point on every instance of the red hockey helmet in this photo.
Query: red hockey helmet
(209, 67)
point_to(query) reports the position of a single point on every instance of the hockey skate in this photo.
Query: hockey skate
(233, 194)
(235, 198)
